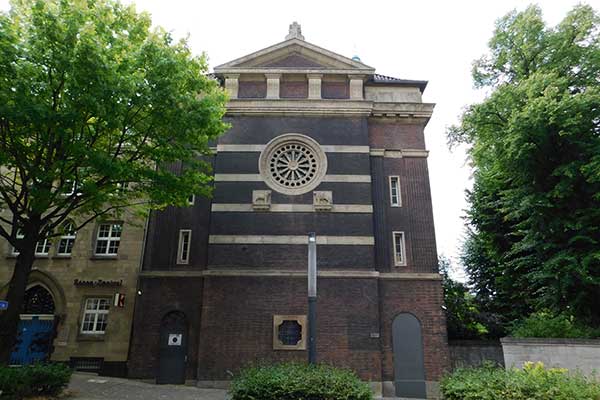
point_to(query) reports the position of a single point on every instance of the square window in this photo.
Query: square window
(95, 316)
(108, 239)
(289, 332)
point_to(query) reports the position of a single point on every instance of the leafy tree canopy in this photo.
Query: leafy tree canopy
(98, 112)
(534, 143)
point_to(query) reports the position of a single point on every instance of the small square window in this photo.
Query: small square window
(289, 332)
(108, 239)
(95, 316)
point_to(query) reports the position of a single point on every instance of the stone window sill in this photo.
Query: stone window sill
(90, 337)
(100, 257)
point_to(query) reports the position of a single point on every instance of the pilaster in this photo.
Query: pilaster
(273, 85)
(314, 86)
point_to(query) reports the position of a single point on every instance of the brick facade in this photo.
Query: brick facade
(248, 264)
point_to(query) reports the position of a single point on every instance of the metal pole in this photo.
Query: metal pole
(312, 298)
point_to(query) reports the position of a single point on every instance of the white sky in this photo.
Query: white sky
(430, 40)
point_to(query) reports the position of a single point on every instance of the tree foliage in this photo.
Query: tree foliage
(464, 318)
(534, 143)
(92, 101)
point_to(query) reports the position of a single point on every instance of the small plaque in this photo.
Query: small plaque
(175, 339)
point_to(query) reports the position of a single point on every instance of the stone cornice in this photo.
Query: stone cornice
(338, 273)
(328, 107)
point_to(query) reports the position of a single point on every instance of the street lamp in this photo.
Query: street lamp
(312, 297)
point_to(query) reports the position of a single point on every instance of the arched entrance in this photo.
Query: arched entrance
(173, 348)
(36, 327)
(409, 370)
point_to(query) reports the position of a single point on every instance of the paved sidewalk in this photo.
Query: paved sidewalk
(92, 387)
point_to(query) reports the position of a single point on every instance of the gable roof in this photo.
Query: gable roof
(294, 54)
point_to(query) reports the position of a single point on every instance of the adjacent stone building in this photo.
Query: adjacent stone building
(318, 143)
(80, 296)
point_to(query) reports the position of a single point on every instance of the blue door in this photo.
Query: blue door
(34, 340)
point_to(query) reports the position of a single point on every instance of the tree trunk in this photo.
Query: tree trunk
(9, 319)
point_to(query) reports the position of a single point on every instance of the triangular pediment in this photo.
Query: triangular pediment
(295, 54)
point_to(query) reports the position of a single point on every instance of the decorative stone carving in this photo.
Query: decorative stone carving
(295, 32)
(293, 164)
(322, 200)
(261, 200)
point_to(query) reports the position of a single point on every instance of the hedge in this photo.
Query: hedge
(290, 381)
(33, 380)
(533, 382)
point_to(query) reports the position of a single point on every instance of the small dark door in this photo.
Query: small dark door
(409, 371)
(173, 349)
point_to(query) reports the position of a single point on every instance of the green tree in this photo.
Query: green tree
(92, 100)
(534, 143)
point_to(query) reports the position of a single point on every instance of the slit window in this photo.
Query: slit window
(183, 250)
(399, 249)
(395, 198)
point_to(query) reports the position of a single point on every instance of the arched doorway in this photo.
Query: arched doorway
(172, 348)
(409, 370)
(36, 327)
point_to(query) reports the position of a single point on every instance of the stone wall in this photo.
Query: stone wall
(572, 354)
(473, 353)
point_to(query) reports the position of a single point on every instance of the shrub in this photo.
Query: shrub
(298, 382)
(33, 380)
(533, 382)
(546, 325)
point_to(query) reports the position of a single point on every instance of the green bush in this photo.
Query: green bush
(298, 382)
(546, 325)
(533, 382)
(33, 380)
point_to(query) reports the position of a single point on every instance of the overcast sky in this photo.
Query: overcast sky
(429, 40)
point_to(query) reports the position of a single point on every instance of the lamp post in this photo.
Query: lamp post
(312, 298)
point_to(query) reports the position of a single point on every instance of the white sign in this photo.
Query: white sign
(175, 339)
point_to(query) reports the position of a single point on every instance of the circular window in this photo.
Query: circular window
(293, 164)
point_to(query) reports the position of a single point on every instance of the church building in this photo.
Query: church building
(318, 143)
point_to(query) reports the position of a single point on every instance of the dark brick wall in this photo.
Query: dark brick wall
(252, 89)
(163, 235)
(335, 90)
(292, 257)
(389, 134)
(293, 89)
(424, 300)
(247, 163)
(343, 193)
(261, 223)
(415, 217)
(238, 330)
(159, 297)
(325, 130)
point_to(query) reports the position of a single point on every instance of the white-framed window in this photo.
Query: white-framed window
(183, 249)
(41, 248)
(191, 199)
(108, 239)
(399, 249)
(95, 316)
(395, 197)
(67, 239)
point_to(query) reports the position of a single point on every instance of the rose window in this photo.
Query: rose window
(293, 164)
